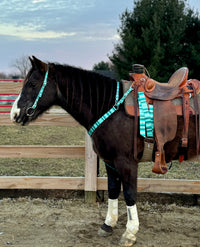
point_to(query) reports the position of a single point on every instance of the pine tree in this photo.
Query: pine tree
(157, 35)
(191, 44)
(101, 66)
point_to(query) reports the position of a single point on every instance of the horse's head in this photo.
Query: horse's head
(37, 95)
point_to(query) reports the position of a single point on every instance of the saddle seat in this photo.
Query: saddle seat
(161, 91)
(160, 95)
(179, 78)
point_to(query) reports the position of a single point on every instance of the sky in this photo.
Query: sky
(76, 32)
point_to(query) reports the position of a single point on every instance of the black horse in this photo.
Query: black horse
(87, 96)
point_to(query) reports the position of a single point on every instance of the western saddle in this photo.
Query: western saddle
(160, 95)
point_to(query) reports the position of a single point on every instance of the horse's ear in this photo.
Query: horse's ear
(31, 60)
(38, 64)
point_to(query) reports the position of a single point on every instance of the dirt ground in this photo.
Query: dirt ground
(26, 222)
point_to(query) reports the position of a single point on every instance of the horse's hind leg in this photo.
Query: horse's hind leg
(114, 187)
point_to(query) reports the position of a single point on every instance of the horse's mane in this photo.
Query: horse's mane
(95, 89)
(76, 72)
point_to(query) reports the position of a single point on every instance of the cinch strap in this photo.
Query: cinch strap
(146, 116)
(111, 111)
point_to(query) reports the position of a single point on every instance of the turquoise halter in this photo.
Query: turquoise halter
(111, 111)
(30, 110)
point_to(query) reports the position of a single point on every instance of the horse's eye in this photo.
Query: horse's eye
(33, 84)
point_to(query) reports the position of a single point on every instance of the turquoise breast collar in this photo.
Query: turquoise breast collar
(146, 113)
(111, 111)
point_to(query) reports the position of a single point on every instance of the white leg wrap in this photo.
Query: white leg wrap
(112, 213)
(133, 221)
(132, 225)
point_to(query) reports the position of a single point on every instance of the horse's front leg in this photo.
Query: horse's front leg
(114, 187)
(129, 181)
(132, 227)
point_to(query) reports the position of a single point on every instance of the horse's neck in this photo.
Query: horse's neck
(87, 99)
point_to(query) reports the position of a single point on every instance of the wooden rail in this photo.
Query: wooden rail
(78, 183)
(89, 183)
(10, 87)
(44, 120)
(33, 151)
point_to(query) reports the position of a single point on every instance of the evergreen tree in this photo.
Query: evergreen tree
(101, 66)
(158, 35)
(191, 44)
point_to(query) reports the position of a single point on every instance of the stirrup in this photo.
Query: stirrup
(160, 165)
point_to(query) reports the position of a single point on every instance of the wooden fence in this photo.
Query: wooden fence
(90, 183)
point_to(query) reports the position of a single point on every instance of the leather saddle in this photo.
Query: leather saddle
(161, 96)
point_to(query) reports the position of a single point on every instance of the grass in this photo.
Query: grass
(42, 167)
(41, 135)
(185, 170)
(55, 135)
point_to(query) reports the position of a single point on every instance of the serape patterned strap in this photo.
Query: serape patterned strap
(111, 111)
(146, 116)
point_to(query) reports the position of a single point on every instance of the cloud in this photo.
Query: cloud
(97, 32)
(38, 1)
(31, 32)
(96, 37)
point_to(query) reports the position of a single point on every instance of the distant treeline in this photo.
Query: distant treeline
(9, 76)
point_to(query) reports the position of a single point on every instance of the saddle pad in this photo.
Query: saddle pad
(179, 107)
(129, 100)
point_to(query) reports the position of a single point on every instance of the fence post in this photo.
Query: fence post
(90, 171)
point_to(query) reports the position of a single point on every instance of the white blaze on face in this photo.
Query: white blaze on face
(15, 111)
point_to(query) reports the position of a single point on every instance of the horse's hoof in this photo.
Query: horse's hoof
(102, 233)
(125, 242)
(105, 231)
